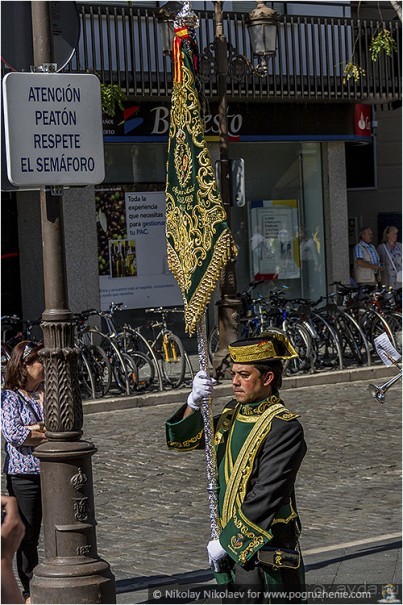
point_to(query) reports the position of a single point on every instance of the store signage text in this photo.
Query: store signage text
(161, 122)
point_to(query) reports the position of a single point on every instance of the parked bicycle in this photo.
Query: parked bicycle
(273, 312)
(375, 310)
(132, 371)
(169, 348)
(94, 368)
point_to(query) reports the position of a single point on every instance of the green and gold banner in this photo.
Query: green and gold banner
(199, 241)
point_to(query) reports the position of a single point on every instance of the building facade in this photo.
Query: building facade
(321, 158)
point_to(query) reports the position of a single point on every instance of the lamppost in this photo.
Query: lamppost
(72, 571)
(221, 58)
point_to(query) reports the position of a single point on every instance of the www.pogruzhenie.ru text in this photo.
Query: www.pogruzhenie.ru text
(215, 593)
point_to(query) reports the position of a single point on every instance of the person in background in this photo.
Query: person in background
(390, 253)
(12, 532)
(23, 429)
(367, 264)
(310, 264)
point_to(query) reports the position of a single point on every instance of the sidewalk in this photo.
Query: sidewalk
(151, 504)
(122, 402)
(342, 569)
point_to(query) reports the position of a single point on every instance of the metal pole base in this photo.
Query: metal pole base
(72, 572)
(92, 583)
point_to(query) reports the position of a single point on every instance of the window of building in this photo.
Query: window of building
(279, 232)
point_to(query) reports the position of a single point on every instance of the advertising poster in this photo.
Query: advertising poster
(274, 239)
(132, 249)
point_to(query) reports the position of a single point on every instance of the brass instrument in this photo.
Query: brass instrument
(379, 392)
(388, 354)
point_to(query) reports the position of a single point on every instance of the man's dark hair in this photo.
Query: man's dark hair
(275, 366)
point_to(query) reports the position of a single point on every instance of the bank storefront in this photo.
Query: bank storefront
(280, 227)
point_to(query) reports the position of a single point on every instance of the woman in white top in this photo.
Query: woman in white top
(390, 252)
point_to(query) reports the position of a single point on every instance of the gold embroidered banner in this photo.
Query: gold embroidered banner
(199, 241)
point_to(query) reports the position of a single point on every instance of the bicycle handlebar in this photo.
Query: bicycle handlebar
(13, 319)
(84, 315)
(116, 306)
(164, 310)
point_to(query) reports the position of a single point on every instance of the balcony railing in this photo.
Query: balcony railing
(122, 45)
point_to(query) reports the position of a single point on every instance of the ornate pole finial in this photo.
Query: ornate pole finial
(187, 17)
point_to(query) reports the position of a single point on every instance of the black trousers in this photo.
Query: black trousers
(250, 586)
(27, 491)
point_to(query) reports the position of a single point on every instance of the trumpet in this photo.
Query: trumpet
(379, 392)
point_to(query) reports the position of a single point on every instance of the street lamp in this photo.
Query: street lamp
(262, 25)
(223, 60)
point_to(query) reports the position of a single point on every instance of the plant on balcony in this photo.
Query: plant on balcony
(112, 97)
(382, 41)
(352, 70)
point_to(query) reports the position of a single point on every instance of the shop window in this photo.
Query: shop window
(135, 163)
(279, 233)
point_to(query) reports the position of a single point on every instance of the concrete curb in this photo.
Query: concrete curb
(109, 404)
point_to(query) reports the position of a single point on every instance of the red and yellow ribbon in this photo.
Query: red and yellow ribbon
(181, 33)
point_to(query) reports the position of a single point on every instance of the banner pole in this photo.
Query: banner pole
(207, 415)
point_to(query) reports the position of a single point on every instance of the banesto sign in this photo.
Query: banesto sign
(211, 122)
(53, 129)
(151, 120)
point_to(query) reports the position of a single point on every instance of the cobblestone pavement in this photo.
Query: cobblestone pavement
(151, 504)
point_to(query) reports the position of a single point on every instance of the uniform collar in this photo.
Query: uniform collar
(256, 409)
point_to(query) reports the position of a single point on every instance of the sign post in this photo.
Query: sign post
(54, 137)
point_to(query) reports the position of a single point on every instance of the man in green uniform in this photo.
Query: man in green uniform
(260, 446)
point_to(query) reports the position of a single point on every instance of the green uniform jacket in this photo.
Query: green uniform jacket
(259, 448)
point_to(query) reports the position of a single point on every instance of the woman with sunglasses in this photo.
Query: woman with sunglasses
(23, 429)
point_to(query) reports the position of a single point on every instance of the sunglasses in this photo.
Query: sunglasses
(29, 347)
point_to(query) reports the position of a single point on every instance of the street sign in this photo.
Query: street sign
(53, 129)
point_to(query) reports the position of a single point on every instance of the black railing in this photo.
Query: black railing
(122, 45)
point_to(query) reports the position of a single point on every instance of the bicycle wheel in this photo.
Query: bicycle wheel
(145, 371)
(368, 319)
(134, 342)
(5, 356)
(124, 372)
(328, 347)
(393, 330)
(173, 363)
(395, 322)
(122, 366)
(85, 376)
(354, 343)
(101, 369)
(213, 343)
(302, 343)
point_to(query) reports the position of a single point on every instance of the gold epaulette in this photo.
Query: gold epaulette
(287, 415)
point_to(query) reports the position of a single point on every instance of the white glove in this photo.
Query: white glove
(202, 388)
(215, 554)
